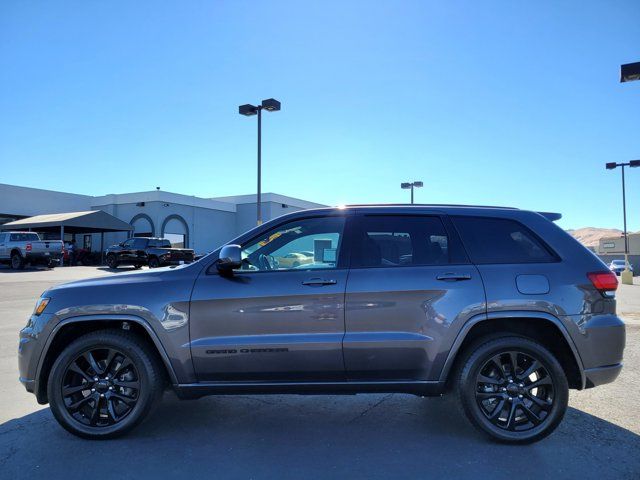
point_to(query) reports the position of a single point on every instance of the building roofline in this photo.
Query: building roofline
(270, 197)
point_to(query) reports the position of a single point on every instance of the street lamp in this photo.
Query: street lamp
(248, 110)
(626, 276)
(629, 72)
(411, 185)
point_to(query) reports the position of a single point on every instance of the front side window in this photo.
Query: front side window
(140, 243)
(312, 243)
(499, 240)
(128, 243)
(394, 241)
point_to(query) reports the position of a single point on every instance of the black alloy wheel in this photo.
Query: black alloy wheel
(104, 384)
(513, 389)
(111, 261)
(100, 387)
(154, 262)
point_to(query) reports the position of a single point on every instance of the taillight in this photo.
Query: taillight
(28, 247)
(605, 282)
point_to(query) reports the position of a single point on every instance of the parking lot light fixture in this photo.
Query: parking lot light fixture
(626, 276)
(248, 110)
(411, 185)
(629, 72)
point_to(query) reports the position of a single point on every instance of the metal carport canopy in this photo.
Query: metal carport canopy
(92, 221)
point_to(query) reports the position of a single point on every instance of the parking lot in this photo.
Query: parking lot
(363, 436)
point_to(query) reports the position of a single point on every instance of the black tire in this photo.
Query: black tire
(154, 262)
(130, 384)
(17, 262)
(137, 266)
(51, 265)
(504, 405)
(111, 261)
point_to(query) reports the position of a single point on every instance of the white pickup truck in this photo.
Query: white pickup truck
(20, 248)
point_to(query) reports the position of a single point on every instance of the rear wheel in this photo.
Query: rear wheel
(104, 384)
(513, 389)
(111, 261)
(17, 262)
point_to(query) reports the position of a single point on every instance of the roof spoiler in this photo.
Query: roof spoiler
(551, 216)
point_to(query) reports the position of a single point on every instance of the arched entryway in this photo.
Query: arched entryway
(176, 230)
(142, 226)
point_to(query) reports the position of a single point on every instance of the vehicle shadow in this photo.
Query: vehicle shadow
(364, 436)
(116, 270)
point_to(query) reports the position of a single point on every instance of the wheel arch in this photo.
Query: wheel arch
(545, 328)
(72, 328)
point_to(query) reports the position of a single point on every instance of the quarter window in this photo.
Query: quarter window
(499, 240)
(393, 241)
(312, 243)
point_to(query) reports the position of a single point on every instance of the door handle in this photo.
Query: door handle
(316, 282)
(453, 277)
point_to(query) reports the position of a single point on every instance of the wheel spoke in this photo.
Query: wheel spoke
(81, 402)
(539, 382)
(489, 380)
(544, 404)
(134, 384)
(112, 411)
(95, 412)
(66, 391)
(535, 419)
(74, 367)
(527, 373)
(111, 355)
(512, 415)
(513, 360)
(130, 402)
(126, 363)
(88, 356)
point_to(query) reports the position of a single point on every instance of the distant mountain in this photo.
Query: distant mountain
(590, 236)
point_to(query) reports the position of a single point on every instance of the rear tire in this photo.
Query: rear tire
(128, 385)
(17, 262)
(512, 389)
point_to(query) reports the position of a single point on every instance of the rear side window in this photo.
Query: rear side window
(393, 241)
(24, 237)
(498, 240)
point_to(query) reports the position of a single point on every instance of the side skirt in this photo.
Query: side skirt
(420, 388)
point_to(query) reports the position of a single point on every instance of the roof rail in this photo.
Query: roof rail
(424, 205)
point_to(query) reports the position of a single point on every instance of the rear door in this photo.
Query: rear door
(410, 289)
(271, 321)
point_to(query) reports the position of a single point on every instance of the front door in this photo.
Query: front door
(275, 319)
(410, 287)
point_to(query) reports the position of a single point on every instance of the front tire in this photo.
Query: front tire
(513, 389)
(154, 262)
(111, 261)
(104, 384)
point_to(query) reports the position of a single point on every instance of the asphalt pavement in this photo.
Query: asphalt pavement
(280, 436)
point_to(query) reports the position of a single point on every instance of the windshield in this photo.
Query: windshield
(617, 262)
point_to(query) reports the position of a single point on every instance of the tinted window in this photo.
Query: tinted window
(300, 244)
(497, 240)
(160, 243)
(140, 243)
(392, 241)
(24, 237)
(129, 243)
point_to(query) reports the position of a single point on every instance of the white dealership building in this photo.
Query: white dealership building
(202, 224)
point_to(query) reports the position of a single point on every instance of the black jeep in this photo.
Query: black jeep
(155, 252)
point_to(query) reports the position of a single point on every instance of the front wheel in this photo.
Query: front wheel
(104, 384)
(111, 261)
(513, 389)
(154, 262)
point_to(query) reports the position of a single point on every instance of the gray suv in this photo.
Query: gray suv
(498, 305)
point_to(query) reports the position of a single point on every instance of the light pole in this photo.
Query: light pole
(248, 110)
(626, 276)
(411, 185)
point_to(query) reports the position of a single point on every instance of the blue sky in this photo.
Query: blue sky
(501, 103)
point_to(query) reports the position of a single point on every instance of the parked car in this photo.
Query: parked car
(22, 248)
(293, 260)
(499, 306)
(155, 252)
(617, 267)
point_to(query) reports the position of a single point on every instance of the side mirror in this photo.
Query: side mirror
(230, 258)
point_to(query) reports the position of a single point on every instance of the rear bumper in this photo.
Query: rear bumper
(602, 375)
(40, 257)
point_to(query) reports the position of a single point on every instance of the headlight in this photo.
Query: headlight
(41, 305)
